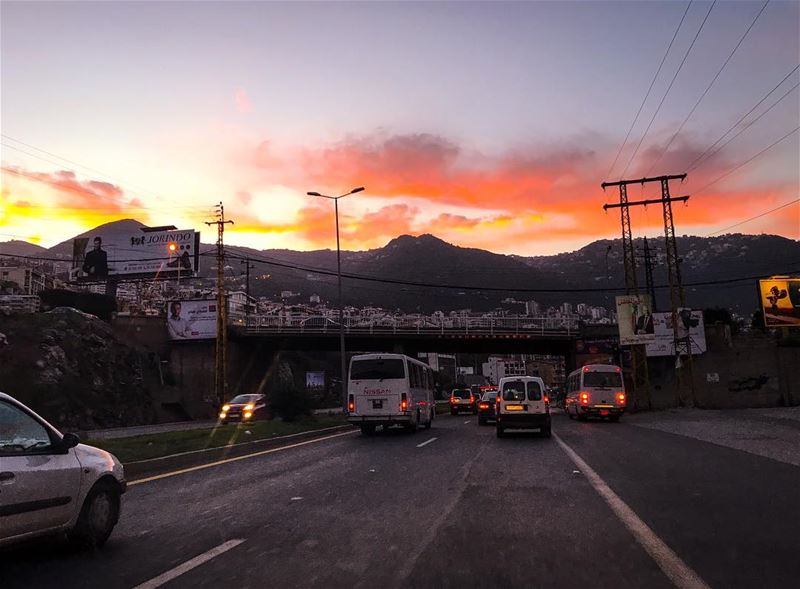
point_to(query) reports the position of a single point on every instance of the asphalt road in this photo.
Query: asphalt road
(464, 510)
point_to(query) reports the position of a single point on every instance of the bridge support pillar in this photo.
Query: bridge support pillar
(398, 348)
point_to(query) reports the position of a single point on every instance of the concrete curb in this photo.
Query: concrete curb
(150, 466)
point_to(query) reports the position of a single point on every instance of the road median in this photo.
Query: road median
(151, 454)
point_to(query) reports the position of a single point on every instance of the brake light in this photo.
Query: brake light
(584, 398)
(546, 399)
(403, 402)
(621, 397)
(453, 400)
(351, 404)
(586, 369)
(617, 369)
(471, 399)
(483, 405)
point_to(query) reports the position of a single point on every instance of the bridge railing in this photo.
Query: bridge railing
(431, 325)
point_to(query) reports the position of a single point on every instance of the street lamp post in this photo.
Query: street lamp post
(343, 373)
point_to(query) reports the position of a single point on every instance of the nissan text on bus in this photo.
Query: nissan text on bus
(596, 390)
(389, 389)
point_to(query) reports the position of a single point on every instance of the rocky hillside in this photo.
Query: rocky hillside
(72, 370)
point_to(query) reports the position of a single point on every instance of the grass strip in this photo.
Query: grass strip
(164, 444)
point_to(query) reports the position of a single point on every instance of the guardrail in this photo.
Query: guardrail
(316, 325)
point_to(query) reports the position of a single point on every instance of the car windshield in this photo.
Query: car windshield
(534, 391)
(602, 379)
(514, 390)
(243, 399)
(462, 393)
(377, 369)
(490, 396)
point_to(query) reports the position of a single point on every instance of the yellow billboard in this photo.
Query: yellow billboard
(780, 301)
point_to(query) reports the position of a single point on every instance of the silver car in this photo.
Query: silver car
(51, 483)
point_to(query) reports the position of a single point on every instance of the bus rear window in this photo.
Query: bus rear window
(602, 379)
(377, 369)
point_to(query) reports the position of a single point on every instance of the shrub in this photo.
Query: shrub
(289, 403)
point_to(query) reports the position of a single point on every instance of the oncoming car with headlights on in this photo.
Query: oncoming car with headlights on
(244, 408)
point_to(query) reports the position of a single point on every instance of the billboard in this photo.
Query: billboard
(315, 381)
(780, 301)
(190, 320)
(635, 319)
(690, 322)
(149, 253)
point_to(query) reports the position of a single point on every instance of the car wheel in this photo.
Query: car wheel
(428, 424)
(614, 418)
(547, 431)
(367, 429)
(582, 417)
(500, 432)
(453, 412)
(98, 516)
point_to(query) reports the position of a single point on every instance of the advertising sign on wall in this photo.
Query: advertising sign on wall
(315, 381)
(635, 318)
(780, 301)
(164, 253)
(190, 320)
(690, 322)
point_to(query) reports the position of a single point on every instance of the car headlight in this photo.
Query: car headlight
(249, 407)
(248, 415)
(222, 415)
(226, 408)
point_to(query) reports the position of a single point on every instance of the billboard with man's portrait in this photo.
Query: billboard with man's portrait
(167, 253)
(191, 320)
(780, 301)
(635, 319)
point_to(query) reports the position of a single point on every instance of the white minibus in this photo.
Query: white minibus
(389, 389)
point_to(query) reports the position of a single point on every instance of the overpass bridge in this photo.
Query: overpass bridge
(411, 334)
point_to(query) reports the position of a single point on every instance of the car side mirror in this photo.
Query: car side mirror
(70, 441)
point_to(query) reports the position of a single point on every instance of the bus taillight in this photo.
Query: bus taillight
(584, 397)
(621, 397)
(351, 404)
(403, 402)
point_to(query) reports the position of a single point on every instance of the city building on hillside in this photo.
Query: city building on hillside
(583, 309)
(566, 308)
(533, 309)
(497, 367)
(28, 281)
(314, 299)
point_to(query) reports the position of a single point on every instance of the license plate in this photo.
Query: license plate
(515, 408)
(377, 403)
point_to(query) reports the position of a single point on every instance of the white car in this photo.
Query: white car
(51, 483)
(522, 404)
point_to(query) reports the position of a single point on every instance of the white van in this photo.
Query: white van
(522, 403)
(596, 390)
(389, 389)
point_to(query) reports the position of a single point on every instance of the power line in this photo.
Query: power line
(703, 95)
(753, 218)
(751, 123)
(744, 163)
(663, 98)
(692, 165)
(647, 95)
(74, 163)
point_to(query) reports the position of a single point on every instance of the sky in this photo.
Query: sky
(488, 124)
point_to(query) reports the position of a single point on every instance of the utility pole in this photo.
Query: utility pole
(676, 288)
(648, 274)
(247, 267)
(221, 348)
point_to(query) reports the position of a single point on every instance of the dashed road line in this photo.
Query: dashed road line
(188, 565)
(680, 573)
(425, 443)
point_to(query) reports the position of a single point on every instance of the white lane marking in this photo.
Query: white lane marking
(188, 565)
(681, 575)
(467, 422)
(296, 499)
(235, 459)
(425, 443)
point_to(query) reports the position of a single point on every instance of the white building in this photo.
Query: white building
(583, 309)
(533, 309)
(566, 308)
(314, 299)
(498, 367)
(30, 280)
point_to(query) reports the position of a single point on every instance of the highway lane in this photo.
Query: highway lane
(466, 509)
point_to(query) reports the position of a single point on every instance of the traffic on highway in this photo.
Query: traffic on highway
(600, 504)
